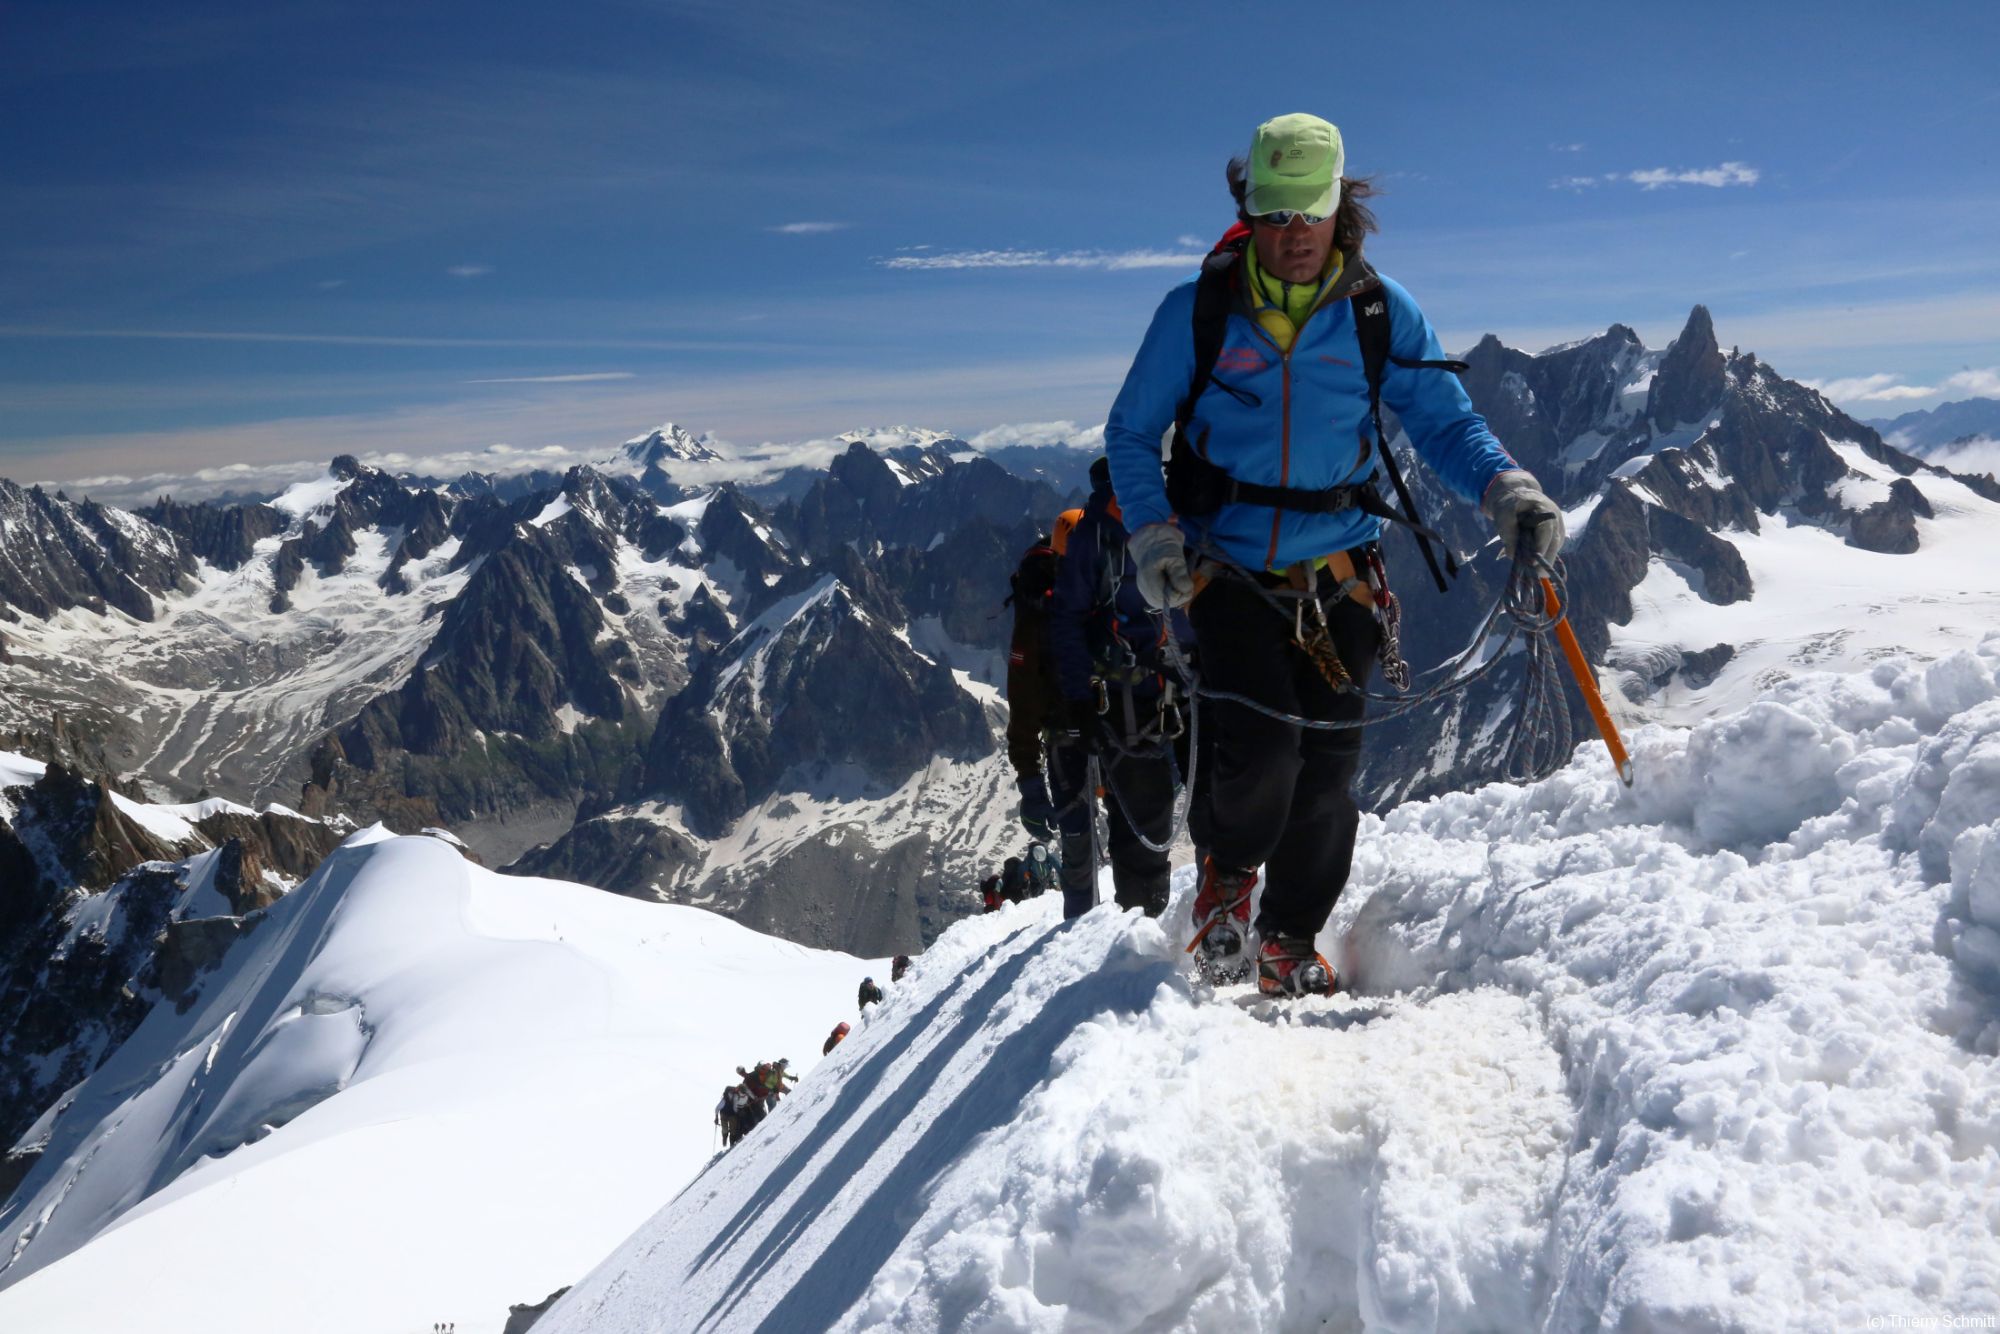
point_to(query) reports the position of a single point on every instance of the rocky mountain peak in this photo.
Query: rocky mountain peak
(668, 443)
(1690, 379)
(867, 474)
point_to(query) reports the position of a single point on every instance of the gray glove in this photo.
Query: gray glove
(1516, 501)
(1161, 561)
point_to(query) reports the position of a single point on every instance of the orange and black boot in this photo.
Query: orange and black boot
(1290, 966)
(1221, 919)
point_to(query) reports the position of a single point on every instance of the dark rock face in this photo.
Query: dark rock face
(1699, 670)
(729, 529)
(521, 1319)
(1537, 405)
(954, 580)
(56, 555)
(69, 997)
(90, 938)
(821, 678)
(290, 847)
(1689, 382)
(1757, 448)
(185, 950)
(840, 889)
(222, 535)
(67, 830)
(864, 502)
(1723, 578)
(1890, 526)
(627, 856)
(704, 621)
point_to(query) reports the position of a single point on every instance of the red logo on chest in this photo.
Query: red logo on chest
(1241, 360)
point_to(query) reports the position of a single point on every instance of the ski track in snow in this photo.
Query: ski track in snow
(1714, 1053)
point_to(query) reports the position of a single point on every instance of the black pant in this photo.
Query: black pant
(1138, 799)
(1280, 794)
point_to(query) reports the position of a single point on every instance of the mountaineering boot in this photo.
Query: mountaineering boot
(1221, 912)
(1290, 966)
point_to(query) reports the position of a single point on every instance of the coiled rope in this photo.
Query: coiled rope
(1543, 734)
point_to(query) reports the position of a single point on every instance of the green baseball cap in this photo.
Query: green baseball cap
(1295, 164)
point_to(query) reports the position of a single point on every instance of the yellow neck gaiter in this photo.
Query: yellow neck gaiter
(1281, 307)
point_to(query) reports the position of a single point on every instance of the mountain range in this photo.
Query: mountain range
(1929, 429)
(776, 697)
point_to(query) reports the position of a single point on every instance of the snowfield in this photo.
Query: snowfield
(1717, 1053)
(418, 1091)
(1714, 1053)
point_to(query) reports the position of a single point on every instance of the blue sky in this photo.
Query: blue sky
(235, 233)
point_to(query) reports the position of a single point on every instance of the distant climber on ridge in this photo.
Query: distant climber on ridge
(1041, 870)
(870, 993)
(1015, 885)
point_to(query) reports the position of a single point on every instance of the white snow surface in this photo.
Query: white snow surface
(419, 1091)
(1820, 604)
(1713, 1053)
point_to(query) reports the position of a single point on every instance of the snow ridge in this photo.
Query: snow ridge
(1715, 1053)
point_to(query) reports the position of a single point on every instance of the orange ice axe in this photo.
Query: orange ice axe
(1586, 681)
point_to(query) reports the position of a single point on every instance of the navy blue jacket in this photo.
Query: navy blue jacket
(1098, 623)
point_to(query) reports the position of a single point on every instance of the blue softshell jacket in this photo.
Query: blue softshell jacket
(1297, 419)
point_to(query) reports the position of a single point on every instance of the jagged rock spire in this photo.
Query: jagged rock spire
(1689, 383)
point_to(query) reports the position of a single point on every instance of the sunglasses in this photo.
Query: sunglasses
(1282, 218)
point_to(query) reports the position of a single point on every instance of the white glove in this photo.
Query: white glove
(1161, 561)
(1516, 500)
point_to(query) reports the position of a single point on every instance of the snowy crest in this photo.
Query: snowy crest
(667, 444)
(1682, 1057)
(403, 1029)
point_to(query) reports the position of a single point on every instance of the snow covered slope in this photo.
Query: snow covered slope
(418, 1091)
(1714, 1053)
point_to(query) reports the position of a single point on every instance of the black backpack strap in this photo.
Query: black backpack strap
(1190, 478)
(1213, 295)
(1371, 330)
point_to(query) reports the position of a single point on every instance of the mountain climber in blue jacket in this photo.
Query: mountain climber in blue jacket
(1280, 540)
(1120, 708)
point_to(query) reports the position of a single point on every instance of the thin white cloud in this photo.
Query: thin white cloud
(1066, 433)
(354, 340)
(809, 228)
(1114, 261)
(1974, 456)
(469, 270)
(1190, 241)
(1980, 383)
(578, 423)
(556, 379)
(1887, 388)
(1565, 148)
(1873, 389)
(1660, 178)
(1729, 173)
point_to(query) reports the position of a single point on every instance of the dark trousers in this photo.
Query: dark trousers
(1138, 799)
(1280, 794)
